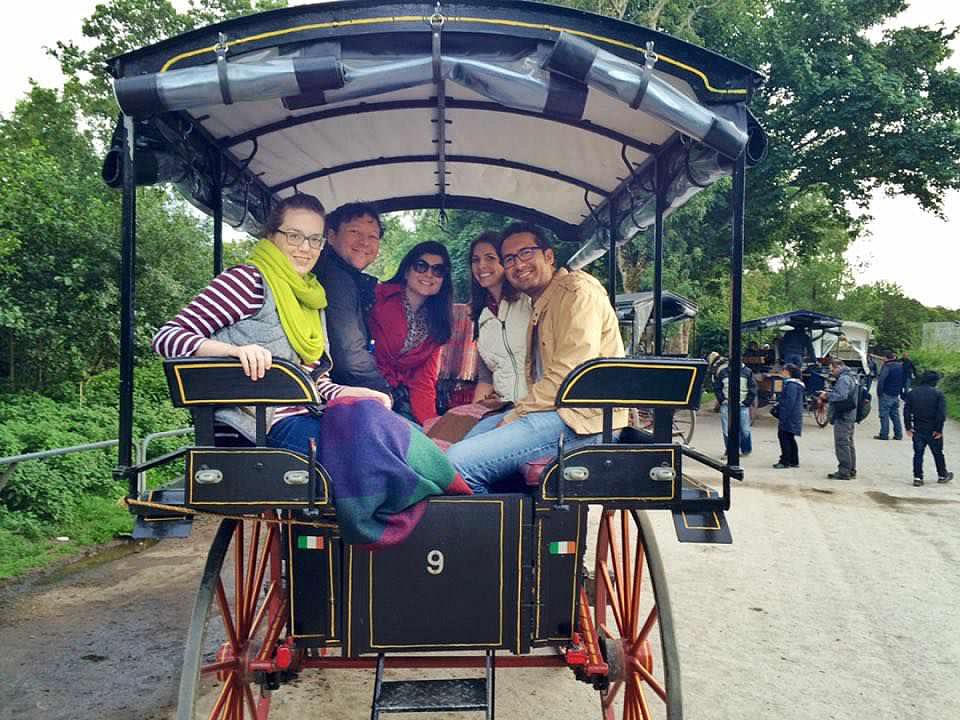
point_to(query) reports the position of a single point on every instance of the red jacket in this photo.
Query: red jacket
(419, 368)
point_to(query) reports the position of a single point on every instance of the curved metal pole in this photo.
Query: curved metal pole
(128, 254)
(217, 168)
(738, 199)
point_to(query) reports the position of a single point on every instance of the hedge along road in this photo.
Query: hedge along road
(837, 600)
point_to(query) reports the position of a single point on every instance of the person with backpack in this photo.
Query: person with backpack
(842, 413)
(789, 413)
(890, 386)
(924, 413)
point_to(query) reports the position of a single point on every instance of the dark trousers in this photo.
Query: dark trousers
(789, 452)
(921, 441)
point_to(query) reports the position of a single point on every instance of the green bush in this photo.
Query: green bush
(948, 365)
(53, 490)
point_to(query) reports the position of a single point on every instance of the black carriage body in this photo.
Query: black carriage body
(497, 572)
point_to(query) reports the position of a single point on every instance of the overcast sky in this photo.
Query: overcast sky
(904, 245)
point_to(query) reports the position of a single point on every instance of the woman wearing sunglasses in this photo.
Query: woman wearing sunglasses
(409, 324)
(501, 315)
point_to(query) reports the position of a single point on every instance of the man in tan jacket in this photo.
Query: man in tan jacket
(572, 322)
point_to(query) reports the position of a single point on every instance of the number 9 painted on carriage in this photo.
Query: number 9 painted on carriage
(435, 562)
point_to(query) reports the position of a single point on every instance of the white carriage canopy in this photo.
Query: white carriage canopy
(535, 111)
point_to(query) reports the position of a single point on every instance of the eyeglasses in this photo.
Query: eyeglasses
(525, 254)
(295, 239)
(421, 266)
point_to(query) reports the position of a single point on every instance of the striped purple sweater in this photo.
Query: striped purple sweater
(234, 295)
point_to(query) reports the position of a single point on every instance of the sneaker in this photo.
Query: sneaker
(898, 437)
(917, 482)
(853, 473)
(839, 476)
(880, 437)
(946, 478)
(780, 466)
(793, 466)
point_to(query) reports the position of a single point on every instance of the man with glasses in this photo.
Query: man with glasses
(353, 242)
(572, 322)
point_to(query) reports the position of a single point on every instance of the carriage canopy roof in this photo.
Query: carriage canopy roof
(806, 319)
(534, 111)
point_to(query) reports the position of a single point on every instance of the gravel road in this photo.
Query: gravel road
(837, 600)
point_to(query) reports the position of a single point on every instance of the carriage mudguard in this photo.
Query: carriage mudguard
(636, 476)
(701, 527)
(232, 480)
(457, 583)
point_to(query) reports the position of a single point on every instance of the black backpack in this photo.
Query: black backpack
(864, 402)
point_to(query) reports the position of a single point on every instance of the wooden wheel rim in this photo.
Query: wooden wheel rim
(239, 614)
(632, 615)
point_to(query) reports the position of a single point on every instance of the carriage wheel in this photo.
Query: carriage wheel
(239, 614)
(820, 412)
(634, 623)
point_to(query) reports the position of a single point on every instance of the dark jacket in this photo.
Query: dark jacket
(844, 387)
(748, 386)
(892, 380)
(796, 344)
(925, 407)
(418, 368)
(350, 295)
(791, 406)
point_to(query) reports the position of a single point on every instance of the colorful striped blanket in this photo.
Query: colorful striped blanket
(382, 469)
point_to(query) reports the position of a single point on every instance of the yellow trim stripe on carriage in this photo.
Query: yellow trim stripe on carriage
(632, 401)
(484, 21)
(308, 397)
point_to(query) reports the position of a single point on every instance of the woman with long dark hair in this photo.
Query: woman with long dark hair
(501, 315)
(409, 324)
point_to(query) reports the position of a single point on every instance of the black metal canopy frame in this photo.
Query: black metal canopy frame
(594, 128)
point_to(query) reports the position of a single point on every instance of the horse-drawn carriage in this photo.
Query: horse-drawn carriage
(767, 365)
(591, 127)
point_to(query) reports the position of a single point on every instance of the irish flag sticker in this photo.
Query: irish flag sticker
(565, 547)
(310, 542)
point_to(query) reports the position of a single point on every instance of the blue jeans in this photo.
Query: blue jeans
(746, 440)
(890, 410)
(484, 457)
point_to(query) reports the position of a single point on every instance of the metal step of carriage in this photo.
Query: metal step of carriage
(446, 695)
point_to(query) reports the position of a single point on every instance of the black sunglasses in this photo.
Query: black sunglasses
(421, 266)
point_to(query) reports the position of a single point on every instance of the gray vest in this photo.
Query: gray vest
(262, 329)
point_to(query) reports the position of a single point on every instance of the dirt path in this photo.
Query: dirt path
(837, 600)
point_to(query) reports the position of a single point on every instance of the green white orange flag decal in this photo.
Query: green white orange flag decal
(310, 542)
(566, 547)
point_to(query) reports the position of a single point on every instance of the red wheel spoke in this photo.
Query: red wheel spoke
(606, 630)
(249, 586)
(261, 613)
(251, 703)
(273, 630)
(608, 699)
(227, 619)
(605, 574)
(231, 665)
(628, 618)
(637, 586)
(648, 678)
(641, 699)
(647, 626)
(238, 580)
(617, 573)
(268, 552)
(222, 699)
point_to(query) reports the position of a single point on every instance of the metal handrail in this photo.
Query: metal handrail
(43, 454)
(145, 443)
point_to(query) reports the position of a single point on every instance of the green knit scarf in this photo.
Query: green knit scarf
(299, 300)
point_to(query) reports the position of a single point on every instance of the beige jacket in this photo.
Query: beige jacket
(573, 322)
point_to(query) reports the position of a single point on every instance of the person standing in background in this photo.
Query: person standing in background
(890, 386)
(842, 413)
(790, 418)
(924, 414)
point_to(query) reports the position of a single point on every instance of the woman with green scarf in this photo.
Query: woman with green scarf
(269, 307)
